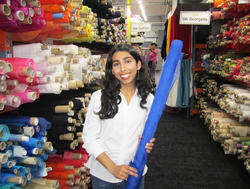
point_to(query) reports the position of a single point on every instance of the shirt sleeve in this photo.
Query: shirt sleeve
(150, 102)
(92, 127)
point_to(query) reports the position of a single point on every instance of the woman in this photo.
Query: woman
(115, 119)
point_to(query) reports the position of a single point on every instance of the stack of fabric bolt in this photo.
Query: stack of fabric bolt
(233, 135)
(235, 101)
(18, 78)
(66, 115)
(24, 149)
(86, 25)
(21, 16)
(62, 20)
(232, 67)
(229, 9)
(110, 21)
(68, 169)
(232, 99)
(73, 66)
(234, 34)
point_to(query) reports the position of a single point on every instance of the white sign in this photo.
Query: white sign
(244, 1)
(195, 17)
(140, 27)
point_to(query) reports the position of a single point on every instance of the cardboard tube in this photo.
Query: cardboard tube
(3, 158)
(2, 145)
(67, 136)
(30, 161)
(72, 85)
(5, 9)
(62, 109)
(79, 84)
(34, 121)
(69, 167)
(15, 180)
(54, 51)
(66, 67)
(48, 146)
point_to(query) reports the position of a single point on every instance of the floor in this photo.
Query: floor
(186, 157)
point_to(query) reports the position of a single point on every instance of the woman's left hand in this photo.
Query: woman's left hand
(149, 146)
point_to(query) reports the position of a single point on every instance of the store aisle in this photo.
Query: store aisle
(186, 157)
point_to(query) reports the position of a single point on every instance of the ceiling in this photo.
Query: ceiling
(155, 11)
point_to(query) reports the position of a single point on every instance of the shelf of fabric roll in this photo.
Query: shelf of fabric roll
(224, 101)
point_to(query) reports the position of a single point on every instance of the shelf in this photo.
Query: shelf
(198, 69)
(200, 46)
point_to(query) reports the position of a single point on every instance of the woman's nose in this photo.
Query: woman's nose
(123, 67)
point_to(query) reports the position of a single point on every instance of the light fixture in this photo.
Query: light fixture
(142, 10)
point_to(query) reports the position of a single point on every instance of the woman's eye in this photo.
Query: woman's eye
(115, 64)
(128, 61)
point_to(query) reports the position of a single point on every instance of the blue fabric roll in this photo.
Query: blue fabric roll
(33, 142)
(15, 119)
(168, 76)
(4, 132)
(9, 186)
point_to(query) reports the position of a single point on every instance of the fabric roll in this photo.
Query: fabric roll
(4, 132)
(54, 88)
(167, 79)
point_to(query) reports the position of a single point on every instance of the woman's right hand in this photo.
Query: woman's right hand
(122, 172)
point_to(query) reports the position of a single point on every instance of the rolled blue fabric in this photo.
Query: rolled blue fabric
(7, 165)
(15, 119)
(15, 137)
(9, 186)
(33, 142)
(44, 125)
(5, 176)
(168, 76)
(5, 132)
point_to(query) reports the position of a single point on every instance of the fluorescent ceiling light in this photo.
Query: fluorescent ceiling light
(142, 10)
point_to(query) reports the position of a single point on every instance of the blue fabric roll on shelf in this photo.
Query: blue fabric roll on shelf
(4, 132)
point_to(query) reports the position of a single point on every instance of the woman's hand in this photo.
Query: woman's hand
(149, 146)
(122, 172)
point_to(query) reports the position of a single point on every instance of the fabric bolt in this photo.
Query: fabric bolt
(18, 119)
(4, 132)
(13, 101)
(18, 151)
(19, 61)
(9, 186)
(67, 49)
(17, 137)
(26, 96)
(6, 176)
(169, 75)
(64, 175)
(54, 88)
(184, 87)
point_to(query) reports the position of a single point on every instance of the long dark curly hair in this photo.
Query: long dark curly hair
(110, 98)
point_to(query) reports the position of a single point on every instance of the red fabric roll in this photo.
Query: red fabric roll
(45, 2)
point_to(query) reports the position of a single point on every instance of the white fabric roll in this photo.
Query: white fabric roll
(26, 50)
(54, 88)
(76, 70)
(56, 59)
(67, 49)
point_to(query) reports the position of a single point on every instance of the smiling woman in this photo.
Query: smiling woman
(111, 130)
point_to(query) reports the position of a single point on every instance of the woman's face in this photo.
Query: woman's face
(124, 67)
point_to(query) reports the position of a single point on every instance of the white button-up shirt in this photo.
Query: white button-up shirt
(117, 137)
